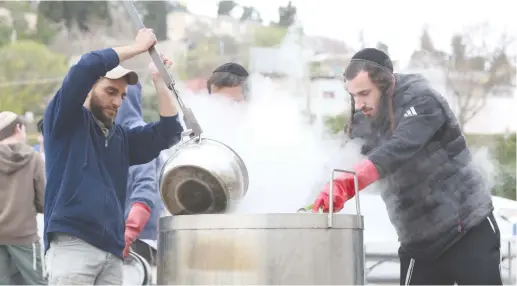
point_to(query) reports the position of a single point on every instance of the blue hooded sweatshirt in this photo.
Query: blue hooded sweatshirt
(87, 171)
(142, 183)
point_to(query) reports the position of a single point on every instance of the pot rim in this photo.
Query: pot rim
(259, 221)
(142, 264)
(240, 162)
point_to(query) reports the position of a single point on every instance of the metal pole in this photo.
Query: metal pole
(188, 116)
(510, 254)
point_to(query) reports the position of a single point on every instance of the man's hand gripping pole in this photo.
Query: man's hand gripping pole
(188, 116)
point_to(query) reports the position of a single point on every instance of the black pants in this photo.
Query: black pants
(144, 250)
(473, 260)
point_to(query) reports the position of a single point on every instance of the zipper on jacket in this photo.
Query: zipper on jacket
(108, 138)
(459, 225)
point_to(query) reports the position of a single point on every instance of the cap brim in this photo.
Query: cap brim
(120, 72)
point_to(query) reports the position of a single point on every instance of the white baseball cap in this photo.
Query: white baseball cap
(120, 72)
(7, 118)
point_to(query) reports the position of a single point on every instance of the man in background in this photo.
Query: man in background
(229, 80)
(142, 184)
(22, 177)
(39, 147)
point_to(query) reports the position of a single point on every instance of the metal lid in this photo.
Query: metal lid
(259, 221)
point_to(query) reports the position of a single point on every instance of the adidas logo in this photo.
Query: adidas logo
(410, 112)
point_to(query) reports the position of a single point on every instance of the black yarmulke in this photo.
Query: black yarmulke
(375, 56)
(232, 68)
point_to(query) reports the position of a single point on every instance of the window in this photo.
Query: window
(329, 94)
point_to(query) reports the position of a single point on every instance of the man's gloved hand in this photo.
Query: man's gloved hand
(136, 220)
(344, 186)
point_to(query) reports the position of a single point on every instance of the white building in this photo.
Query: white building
(498, 116)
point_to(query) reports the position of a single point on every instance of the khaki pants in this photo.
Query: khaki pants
(21, 265)
(72, 261)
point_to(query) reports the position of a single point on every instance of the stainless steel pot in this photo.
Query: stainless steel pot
(137, 270)
(202, 176)
(266, 249)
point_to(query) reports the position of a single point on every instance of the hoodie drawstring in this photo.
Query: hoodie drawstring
(85, 164)
(34, 257)
(43, 264)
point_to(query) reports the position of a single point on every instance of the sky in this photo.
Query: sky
(398, 23)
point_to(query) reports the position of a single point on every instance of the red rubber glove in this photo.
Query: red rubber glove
(136, 220)
(344, 186)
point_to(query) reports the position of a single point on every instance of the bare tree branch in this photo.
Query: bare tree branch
(475, 69)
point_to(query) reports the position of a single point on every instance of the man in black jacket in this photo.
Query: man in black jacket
(436, 197)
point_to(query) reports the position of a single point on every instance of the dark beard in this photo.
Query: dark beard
(96, 110)
(381, 120)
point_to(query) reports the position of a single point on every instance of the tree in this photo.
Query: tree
(150, 104)
(427, 56)
(178, 6)
(362, 41)
(383, 47)
(286, 15)
(201, 59)
(474, 70)
(249, 13)
(226, 46)
(426, 44)
(505, 155)
(458, 50)
(335, 124)
(6, 31)
(207, 49)
(268, 36)
(225, 7)
(206, 53)
(29, 72)
(78, 14)
(155, 17)
(73, 41)
(15, 25)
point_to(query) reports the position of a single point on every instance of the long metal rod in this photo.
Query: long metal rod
(331, 196)
(188, 116)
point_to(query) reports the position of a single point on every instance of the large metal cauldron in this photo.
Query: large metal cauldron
(266, 249)
(202, 176)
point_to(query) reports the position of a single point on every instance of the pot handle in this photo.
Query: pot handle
(331, 193)
(187, 136)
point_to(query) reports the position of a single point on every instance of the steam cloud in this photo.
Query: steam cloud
(288, 160)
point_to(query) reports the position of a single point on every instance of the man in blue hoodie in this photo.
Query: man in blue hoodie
(87, 162)
(142, 184)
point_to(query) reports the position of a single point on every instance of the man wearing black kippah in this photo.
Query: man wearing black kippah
(230, 80)
(436, 197)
